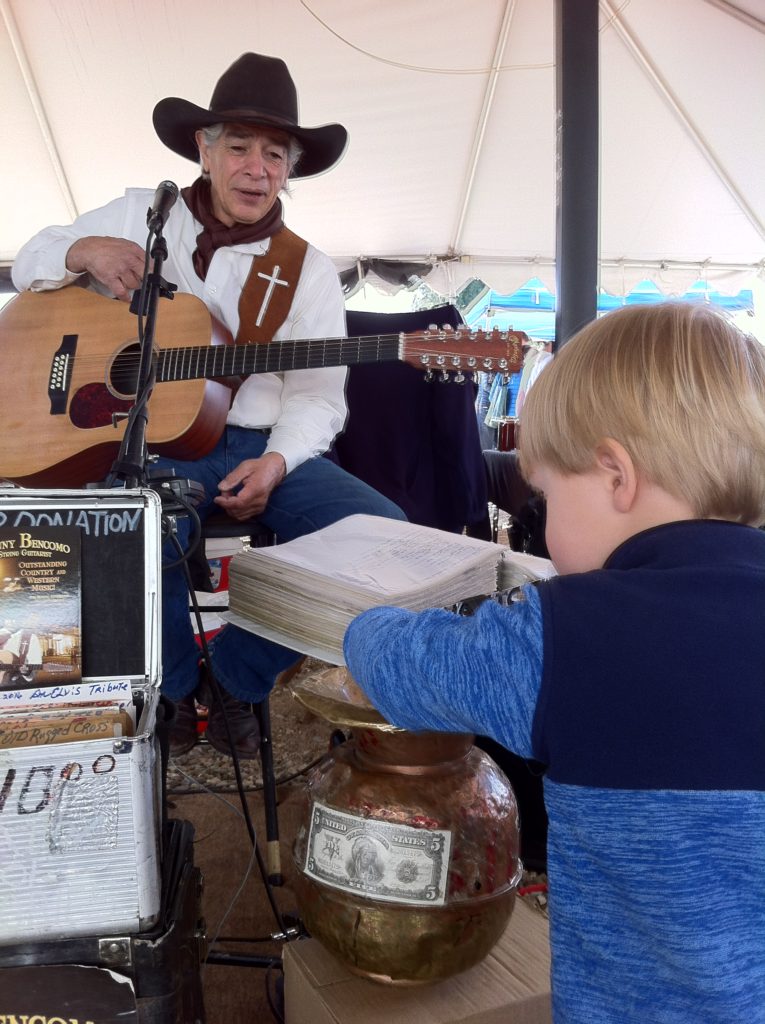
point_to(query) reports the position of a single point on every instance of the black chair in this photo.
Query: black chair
(220, 526)
(509, 492)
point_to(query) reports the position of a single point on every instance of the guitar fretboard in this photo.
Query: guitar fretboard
(197, 361)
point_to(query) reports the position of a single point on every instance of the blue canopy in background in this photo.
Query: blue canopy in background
(532, 307)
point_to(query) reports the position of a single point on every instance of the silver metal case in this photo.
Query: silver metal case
(79, 822)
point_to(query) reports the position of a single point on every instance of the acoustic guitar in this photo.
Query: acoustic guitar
(70, 360)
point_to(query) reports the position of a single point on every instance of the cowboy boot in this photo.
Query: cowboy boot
(183, 730)
(242, 723)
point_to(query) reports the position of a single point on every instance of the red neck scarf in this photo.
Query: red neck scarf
(216, 234)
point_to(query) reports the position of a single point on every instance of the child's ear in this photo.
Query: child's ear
(619, 473)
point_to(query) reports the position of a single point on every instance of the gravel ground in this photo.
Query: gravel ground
(299, 738)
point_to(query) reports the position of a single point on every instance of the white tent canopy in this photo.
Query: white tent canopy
(450, 105)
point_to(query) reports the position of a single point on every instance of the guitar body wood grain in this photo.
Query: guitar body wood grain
(41, 448)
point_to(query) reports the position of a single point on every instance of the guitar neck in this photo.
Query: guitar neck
(208, 361)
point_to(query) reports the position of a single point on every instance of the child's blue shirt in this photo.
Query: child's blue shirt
(642, 688)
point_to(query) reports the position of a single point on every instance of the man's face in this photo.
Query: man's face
(248, 168)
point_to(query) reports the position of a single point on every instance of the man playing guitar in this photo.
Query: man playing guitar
(228, 245)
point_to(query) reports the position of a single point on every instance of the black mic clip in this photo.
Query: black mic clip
(139, 304)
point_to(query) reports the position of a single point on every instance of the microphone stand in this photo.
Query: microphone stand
(178, 497)
(130, 464)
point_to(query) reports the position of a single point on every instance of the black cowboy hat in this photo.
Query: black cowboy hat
(255, 90)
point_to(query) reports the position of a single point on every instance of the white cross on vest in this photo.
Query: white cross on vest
(273, 279)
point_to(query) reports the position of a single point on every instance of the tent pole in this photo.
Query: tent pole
(577, 121)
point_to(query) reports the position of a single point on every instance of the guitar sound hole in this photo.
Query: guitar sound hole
(123, 372)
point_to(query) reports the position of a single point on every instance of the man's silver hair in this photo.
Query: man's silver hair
(294, 150)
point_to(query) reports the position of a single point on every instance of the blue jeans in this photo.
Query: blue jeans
(312, 496)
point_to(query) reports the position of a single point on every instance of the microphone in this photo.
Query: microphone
(164, 200)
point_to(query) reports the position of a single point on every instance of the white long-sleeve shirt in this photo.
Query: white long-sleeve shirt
(303, 408)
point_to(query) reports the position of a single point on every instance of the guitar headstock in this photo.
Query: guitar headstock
(460, 351)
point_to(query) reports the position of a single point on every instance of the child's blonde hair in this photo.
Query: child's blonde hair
(679, 386)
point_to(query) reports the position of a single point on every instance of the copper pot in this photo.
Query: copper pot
(407, 858)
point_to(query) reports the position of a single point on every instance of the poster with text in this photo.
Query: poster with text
(40, 619)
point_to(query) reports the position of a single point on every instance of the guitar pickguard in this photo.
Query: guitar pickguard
(93, 405)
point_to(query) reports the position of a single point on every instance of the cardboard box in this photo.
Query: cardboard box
(510, 986)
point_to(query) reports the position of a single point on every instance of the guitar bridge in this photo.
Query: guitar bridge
(60, 377)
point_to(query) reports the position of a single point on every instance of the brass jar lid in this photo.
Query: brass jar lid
(333, 694)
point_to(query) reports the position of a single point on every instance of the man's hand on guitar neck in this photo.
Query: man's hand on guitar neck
(246, 490)
(115, 262)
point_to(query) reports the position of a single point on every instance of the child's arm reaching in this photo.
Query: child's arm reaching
(436, 670)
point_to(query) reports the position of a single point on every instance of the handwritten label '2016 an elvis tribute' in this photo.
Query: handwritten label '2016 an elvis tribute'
(380, 859)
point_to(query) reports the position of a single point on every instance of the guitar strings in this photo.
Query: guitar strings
(176, 362)
(202, 361)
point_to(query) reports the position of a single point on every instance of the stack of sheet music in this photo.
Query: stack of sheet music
(304, 593)
(516, 568)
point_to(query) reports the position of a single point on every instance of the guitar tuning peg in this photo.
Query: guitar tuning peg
(428, 375)
(432, 327)
(444, 378)
(459, 378)
(448, 328)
